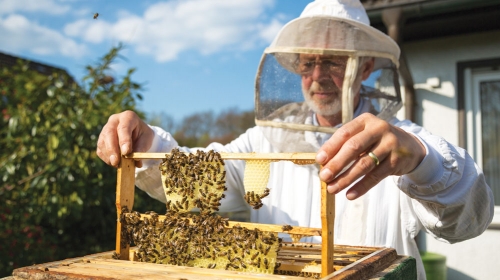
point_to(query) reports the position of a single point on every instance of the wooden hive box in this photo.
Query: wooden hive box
(298, 260)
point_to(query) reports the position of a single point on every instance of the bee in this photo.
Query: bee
(267, 250)
(96, 15)
(287, 227)
(222, 254)
(116, 256)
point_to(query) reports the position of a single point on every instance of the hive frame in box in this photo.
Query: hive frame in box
(125, 189)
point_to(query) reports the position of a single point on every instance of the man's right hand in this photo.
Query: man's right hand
(123, 134)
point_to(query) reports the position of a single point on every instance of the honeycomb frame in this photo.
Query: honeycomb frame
(126, 188)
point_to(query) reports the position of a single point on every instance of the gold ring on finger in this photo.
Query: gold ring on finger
(374, 158)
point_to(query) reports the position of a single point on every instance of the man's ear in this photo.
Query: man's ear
(367, 68)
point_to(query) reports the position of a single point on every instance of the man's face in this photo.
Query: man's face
(322, 79)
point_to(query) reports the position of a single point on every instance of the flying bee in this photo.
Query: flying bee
(96, 15)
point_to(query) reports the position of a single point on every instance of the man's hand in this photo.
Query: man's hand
(398, 153)
(123, 134)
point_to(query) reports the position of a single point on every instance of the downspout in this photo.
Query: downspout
(394, 21)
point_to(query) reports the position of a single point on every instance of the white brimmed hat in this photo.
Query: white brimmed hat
(349, 9)
(337, 27)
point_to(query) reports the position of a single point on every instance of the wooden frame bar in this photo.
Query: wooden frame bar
(125, 189)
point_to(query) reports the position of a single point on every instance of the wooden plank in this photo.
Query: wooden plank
(101, 266)
(125, 187)
(366, 266)
(309, 158)
(264, 227)
(327, 222)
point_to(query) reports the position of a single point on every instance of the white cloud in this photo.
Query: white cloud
(169, 28)
(45, 6)
(18, 33)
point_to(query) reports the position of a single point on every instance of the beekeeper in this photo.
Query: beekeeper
(328, 83)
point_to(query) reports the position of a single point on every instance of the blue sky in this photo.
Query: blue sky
(191, 55)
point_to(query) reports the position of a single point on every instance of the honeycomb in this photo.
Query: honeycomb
(255, 181)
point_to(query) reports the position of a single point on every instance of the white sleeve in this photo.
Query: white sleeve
(148, 177)
(448, 190)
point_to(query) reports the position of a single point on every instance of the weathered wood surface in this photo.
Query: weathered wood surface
(327, 222)
(302, 231)
(350, 262)
(309, 158)
(125, 188)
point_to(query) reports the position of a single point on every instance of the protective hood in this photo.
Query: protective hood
(330, 43)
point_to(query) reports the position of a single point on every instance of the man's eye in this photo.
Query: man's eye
(308, 64)
(331, 63)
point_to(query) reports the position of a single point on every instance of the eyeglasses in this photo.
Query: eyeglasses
(333, 66)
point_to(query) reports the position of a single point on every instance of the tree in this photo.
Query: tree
(53, 185)
(201, 129)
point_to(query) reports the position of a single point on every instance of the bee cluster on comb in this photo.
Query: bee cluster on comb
(255, 181)
(193, 181)
(200, 241)
(197, 180)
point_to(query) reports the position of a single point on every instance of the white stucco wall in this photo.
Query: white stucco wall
(478, 258)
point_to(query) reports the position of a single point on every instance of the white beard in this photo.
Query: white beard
(326, 108)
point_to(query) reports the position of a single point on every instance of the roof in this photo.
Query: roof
(10, 60)
(425, 19)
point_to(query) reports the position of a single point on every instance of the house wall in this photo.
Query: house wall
(478, 258)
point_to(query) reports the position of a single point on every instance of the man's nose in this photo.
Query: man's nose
(319, 72)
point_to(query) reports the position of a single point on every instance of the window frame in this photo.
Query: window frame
(469, 75)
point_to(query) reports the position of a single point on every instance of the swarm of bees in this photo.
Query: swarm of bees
(200, 241)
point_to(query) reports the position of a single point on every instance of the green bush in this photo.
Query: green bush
(57, 198)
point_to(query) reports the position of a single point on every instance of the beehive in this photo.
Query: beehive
(297, 260)
(256, 187)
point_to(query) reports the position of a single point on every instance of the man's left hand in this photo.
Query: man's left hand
(376, 150)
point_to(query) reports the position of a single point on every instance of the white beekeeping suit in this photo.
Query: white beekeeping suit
(436, 196)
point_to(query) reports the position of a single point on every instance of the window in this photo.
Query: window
(481, 104)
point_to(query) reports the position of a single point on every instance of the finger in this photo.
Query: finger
(363, 165)
(333, 145)
(349, 152)
(126, 132)
(144, 138)
(107, 145)
(370, 180)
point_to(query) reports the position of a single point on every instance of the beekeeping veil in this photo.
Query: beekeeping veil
(333, 28)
